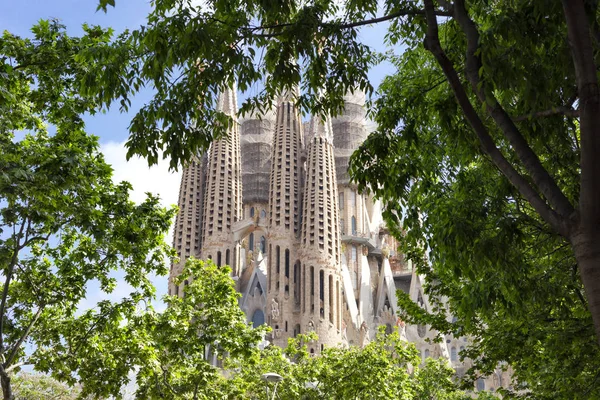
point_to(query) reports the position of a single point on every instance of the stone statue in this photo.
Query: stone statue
(274, 310)
(364, 334)
(401, 327)
(311, 326)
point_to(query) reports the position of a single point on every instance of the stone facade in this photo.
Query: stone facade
(308, 252)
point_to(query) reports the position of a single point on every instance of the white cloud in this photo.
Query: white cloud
(156, 179)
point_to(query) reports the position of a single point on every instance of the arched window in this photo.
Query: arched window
(353, 225)
(263, 244)
(480, 385)
(227, 257)
(263, 214)
(258, 318)
(453, 354)
(218, 258)
(251, 211)
(426, 353)
(251, 242)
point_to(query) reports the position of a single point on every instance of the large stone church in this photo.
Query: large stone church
(274, 201)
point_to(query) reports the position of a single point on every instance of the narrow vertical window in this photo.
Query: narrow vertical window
(322, 293)
(331, 299)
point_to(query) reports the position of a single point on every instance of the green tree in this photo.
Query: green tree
(515, 71)
(64, 225)
(207, 319)
(485, 152)
(386, 368)
(42, 387)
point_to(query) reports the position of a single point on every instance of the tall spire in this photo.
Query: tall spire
(227, 101)
(187, 235)
(223, 190)
(321, 221)
(257, 149)
(285, 182)
(285, 190)
(320, 241)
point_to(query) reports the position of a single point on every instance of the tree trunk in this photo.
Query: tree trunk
(6, 385)
(586, 247)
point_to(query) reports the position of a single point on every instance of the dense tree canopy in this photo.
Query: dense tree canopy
(65, 226)
(42, 387)
(485, 154)
(386, 368)
(486, 150)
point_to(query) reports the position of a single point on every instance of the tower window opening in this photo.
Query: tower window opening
(218, 258)
(322, 293)
(312, 289)
(263, 244)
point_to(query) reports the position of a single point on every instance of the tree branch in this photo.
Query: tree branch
(16, 365)
(539, 175)
(17, 345)
(566, 111)
(582, 52)
(397, 14)
(432, 43)
(8, 276)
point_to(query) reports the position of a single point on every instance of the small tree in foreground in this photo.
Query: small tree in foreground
(65, 226)
(387, 368)
(42, 387)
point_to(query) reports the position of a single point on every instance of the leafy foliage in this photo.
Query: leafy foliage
(65, 227)
(178, 340)
(188, 52)
(510, 279)
(387, 368)
(42, 387)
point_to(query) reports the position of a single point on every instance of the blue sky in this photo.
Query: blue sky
(19, 16)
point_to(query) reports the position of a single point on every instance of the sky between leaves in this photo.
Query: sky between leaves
(18, 17)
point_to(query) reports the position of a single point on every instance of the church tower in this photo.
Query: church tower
(349, 131)
(320, 241)
(223, 194)
(285, 207)
(257, 149)
(187, 238)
